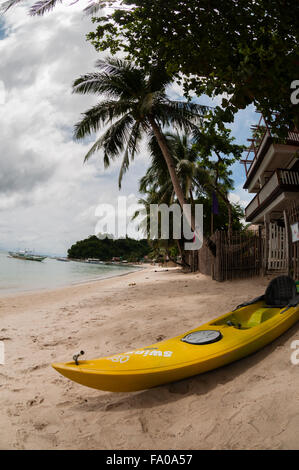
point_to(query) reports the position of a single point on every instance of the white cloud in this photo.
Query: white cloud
(2, 93)
(47, 195)
(240, 196)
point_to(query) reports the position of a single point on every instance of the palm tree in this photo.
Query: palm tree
(198, 174)
(134, 104)
(156, 184)
(185, 158)
(217, 152)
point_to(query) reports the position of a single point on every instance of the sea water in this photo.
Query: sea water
(18, 275)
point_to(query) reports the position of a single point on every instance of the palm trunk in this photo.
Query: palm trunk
(174, 178)
(171, 168)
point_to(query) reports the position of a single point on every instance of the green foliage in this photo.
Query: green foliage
(199, 173)
(133, 98)
(126, 248)
(221, 221)
(246, 49)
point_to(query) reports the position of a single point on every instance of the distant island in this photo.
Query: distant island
(123, 249)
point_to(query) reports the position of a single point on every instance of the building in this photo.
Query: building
(272, 175)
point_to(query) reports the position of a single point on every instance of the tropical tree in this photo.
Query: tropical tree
(217, 152)
(246, 50)
(134, 104)
(159, 246)
(185, 158)
(202, 165)
(157, 186)
(199, 178)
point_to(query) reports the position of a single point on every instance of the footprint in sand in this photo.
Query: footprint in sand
(36, 367)
(52, 344)
(143, 423)
(35, 401)
(40, 426)
(111, 406)
(160, 338)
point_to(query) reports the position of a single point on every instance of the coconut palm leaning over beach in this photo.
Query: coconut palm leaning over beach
(134, 104)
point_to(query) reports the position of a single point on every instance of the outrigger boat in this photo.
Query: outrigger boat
(230, 337)
(26, 255)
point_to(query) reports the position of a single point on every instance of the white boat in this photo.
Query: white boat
(26, 255)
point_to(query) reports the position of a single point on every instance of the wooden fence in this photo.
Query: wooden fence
(248, 254)
(239, 257)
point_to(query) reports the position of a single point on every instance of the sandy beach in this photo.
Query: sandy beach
(250, 404)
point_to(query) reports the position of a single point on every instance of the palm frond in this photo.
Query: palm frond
(7, 5)
(126, 86)
(114, 65)
(94, 7)
(93, 149)
(113, 140)
(180, 114)
(99, 115)
(96, 83)
(39, 8)
(124, 166)
(126, 77)
(43, 6)
(131, 149)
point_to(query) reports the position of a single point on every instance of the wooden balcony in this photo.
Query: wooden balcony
(267, 152)
(280, 183)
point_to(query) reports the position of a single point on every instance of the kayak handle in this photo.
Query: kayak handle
(293, 303)
(230, 323)
(76, 356)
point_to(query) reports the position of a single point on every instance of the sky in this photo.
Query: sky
(48, 197)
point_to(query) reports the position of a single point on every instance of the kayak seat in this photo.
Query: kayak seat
(280, 291)
(259, 316)
(255, 319)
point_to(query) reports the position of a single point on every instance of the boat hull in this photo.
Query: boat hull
(174, 359)
(27, 257)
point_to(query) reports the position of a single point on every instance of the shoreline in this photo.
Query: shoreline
(4, 294)
(255, 398)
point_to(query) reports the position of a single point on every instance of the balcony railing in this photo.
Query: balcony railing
(281, 180)
(263, 136)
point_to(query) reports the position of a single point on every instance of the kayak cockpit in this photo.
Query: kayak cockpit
(248, 317)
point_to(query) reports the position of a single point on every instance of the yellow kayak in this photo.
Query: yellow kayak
(214, 344)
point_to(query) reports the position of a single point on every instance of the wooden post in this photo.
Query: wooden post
(260, 251)
(218, 268)
(288, 242)
(266, 250)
